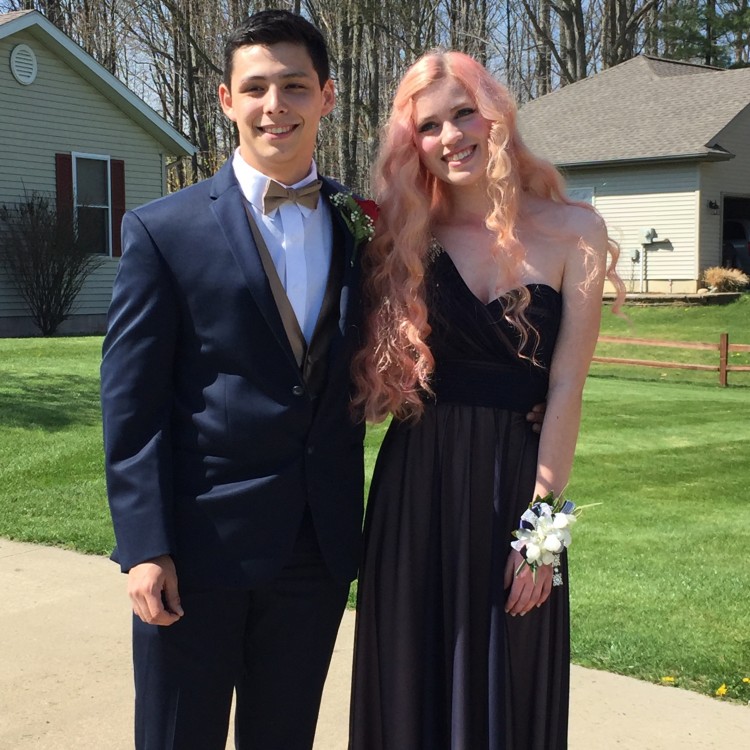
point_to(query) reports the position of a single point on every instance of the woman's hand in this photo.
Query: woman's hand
(524, 593)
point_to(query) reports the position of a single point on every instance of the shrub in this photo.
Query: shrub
(720, 279)
(46, 261)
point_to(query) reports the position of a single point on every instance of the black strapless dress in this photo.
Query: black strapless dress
(438, 664)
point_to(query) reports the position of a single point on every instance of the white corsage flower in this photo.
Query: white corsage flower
(544, 533)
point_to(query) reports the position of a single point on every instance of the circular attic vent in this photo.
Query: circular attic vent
(23, 64)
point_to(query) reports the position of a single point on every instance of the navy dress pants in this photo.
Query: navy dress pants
(271, 644)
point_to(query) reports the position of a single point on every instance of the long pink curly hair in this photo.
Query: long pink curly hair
(392, 371)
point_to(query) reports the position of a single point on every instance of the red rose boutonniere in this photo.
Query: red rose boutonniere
(370, 208)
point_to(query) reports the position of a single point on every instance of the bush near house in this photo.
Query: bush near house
(725, 279)
(45, 258)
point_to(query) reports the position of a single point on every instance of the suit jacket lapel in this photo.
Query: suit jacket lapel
(351, 272)
(229, 208)
(349, 300)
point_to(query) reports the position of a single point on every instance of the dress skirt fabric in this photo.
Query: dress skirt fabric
(438, 663)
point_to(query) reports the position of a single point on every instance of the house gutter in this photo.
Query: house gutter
(710, 156)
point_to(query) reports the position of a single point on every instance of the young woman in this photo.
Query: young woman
(484, 292)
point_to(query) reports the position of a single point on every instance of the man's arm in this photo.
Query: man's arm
(137, 383)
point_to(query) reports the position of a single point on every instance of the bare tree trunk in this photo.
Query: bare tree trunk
(651, 46)
(373, 84)
(543, 75)
(346, 165)
(710, 32)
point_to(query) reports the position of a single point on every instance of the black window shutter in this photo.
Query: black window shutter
(64, 188)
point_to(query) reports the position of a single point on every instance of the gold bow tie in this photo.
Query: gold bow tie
(275, 194)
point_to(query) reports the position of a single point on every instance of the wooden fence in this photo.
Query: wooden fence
(724, 349)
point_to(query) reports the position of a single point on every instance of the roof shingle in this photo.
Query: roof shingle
(5, 17)
(645, 108)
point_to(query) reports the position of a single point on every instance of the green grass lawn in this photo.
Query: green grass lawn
(51, 466)
(659, 574)
(679, 323)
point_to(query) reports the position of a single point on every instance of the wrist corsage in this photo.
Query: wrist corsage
(544, 533)
(360, 216)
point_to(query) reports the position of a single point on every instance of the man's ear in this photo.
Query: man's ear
(329, 97)
(225, 99)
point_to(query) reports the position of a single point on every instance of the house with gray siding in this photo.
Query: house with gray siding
(71, 130)
(662, 149)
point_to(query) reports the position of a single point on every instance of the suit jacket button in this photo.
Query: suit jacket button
(298, 390)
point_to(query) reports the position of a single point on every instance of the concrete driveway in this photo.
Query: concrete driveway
(65, 680)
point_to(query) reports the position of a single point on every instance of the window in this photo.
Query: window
(91, 188)
(584, 194)
(91, 201)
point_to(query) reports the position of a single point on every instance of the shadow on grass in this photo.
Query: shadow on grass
(49, 401)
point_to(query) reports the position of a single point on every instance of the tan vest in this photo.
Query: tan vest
(312, 358)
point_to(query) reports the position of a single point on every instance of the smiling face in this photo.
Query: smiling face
(276, 100)
(451, 134)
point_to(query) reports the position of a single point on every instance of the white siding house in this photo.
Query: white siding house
(654, 144)
(67, 128)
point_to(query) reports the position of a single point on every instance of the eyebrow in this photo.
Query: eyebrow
(429, 118)
(283, 76)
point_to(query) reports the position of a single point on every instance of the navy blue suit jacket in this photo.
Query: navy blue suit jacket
(213, 446)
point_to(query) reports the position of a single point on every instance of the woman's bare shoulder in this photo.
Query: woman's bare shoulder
(571, 223)
(583, 224)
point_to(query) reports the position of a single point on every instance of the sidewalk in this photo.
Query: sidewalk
(65, 679)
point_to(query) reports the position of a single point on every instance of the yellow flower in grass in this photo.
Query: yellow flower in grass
(721, 691)
(668, 680)
(746, 680)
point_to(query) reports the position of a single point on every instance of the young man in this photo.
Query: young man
(234, 469)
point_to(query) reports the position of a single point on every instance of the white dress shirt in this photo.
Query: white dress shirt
(299, 241)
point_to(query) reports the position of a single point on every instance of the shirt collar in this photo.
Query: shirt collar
(253, 183)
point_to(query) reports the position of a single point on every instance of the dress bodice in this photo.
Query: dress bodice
(476, 348)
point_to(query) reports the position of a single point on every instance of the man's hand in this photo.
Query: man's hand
(525, 593)
(152, 587)
(536, 416)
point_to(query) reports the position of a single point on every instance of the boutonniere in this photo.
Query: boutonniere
(360, 216)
